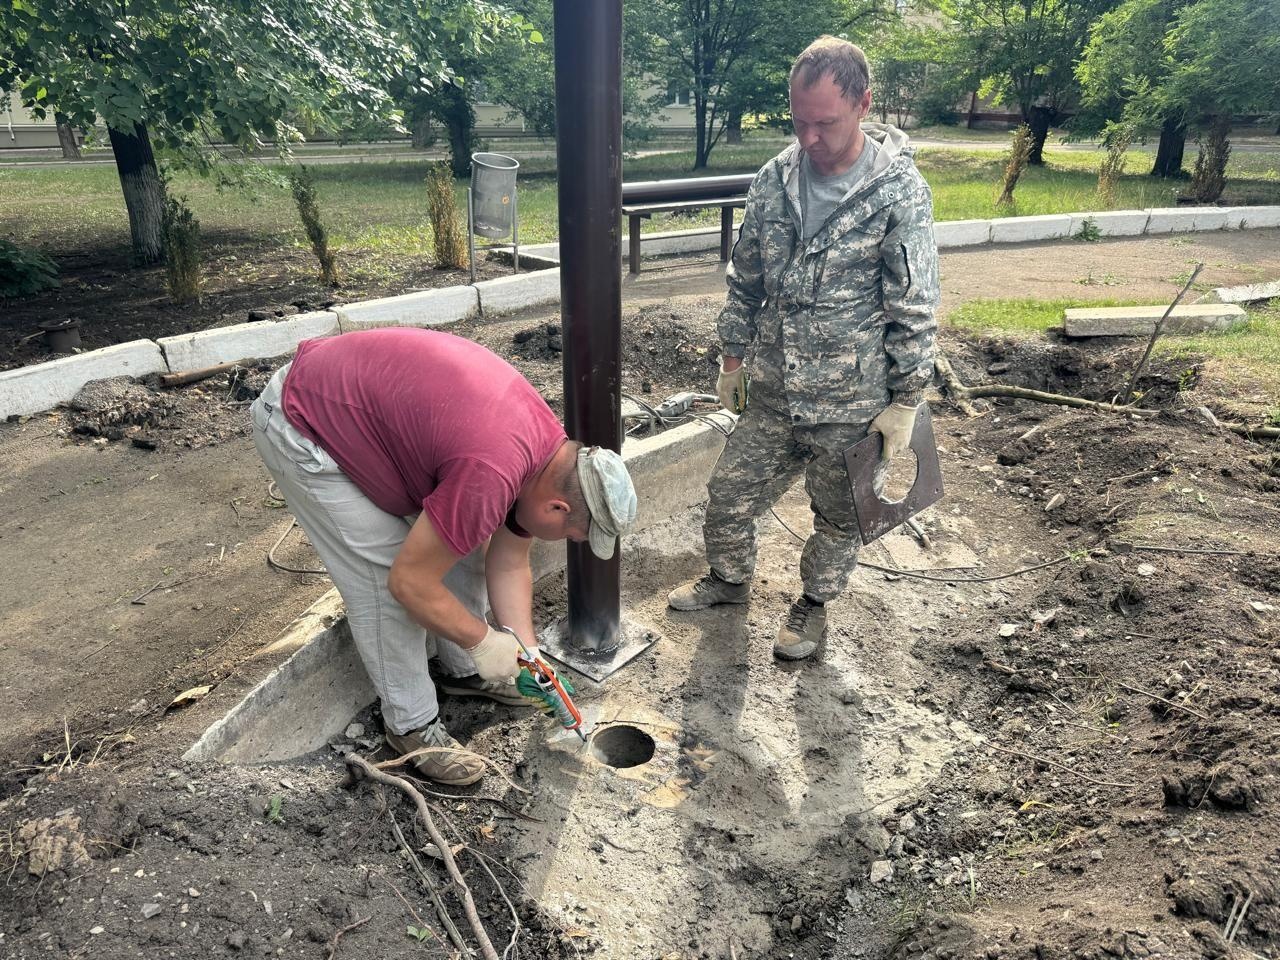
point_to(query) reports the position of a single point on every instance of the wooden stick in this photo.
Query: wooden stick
(204, 373)
(1157, 697)
(1061, 766)
(959, 392)
(1155, 334)
(356, 762)
(333, 944)
(425, 879)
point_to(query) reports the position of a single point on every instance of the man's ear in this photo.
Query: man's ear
(558, 506)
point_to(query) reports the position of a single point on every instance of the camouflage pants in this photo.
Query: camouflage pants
(764, 456)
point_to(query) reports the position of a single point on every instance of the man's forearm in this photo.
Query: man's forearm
(434, 607)
(511, 599)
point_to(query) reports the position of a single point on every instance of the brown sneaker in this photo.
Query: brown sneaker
(799, 636)
(707, 591)
(472, 686)
(445, 760)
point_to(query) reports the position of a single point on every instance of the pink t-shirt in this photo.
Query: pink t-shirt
(423, 420)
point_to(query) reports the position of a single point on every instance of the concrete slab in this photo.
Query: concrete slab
(1186, 219)
(42, 386)
(1246, 293)
(1140, 321)
(1252, 218)
(507, 294)
(316, 692)
(1052, 226)
(428, 308)
(268, 338)
(676, 241)
(1112, 223)
(961, 233)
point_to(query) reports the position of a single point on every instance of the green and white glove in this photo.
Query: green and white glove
(895, 424)
(732, 387)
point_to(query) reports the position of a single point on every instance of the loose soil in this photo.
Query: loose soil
(1079, 761)
(116, 303)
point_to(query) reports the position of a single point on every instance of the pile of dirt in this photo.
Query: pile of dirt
(661, 345)
(149, 416)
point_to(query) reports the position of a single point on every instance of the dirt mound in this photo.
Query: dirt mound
(660, 345)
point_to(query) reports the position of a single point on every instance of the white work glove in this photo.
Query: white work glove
(731, 388)
(495, 657)
(895, 424)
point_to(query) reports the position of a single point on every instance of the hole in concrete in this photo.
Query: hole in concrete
(622, 747)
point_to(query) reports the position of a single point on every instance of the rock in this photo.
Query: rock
(1055, 502)
(796, 923)
(1146, 570)
(881, 870)
(256, 316)
(97, 930)
(149, 910)
(907, 824)
(354, 731)
(853, 899)
(138, 708)
(53, 843)
(1007, 629)
(235, 940)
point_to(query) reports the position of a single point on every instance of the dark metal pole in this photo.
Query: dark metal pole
(588, 42)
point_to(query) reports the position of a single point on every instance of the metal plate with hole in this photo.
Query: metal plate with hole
(876, 516)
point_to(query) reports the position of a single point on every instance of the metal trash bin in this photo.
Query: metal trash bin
(493, 189)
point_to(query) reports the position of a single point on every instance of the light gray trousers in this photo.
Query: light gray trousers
(358, 542)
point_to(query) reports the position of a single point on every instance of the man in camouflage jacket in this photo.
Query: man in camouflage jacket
(833, 285)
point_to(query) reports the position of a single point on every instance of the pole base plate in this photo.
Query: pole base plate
(633, 640)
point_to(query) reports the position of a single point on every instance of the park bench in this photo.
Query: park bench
(642, 200)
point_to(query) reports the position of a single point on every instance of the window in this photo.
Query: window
(678, 96)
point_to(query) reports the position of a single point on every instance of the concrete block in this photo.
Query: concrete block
(322, 685)
(1247, 293)
(547, 251)
(1140, 321)
(268, 338)
(1026, 229)
(518, 291)
(1254, 217)
(1186, 219)
(961, 233)
(1112, 223)
(302, 702)
(671, 242)
(427, 308)
(42, 386)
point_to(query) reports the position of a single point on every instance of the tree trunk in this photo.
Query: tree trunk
(459, 118)
(1039, 120)
(421, 133)
(67, 138)
(1210, 177)
(1173, 141)
(700, 121)
(733, 128)
(143, 191)
(973, 110)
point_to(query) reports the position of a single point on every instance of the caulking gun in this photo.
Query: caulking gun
(539, 683)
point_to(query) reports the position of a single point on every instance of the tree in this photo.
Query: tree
(1024, 52)
(186, 73)
(1116, 61)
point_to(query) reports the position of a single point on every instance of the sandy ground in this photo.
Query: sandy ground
(777, 796)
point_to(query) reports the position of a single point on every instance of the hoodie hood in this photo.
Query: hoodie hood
(894, 146)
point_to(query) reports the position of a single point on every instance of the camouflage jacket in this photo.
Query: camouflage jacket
(845, 323)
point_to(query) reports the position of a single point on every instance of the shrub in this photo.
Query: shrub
(182, 250)
(24, 272)
(1210, 177)
(304, 195)
(1019, 153)
(449, 233)
(1116, 139)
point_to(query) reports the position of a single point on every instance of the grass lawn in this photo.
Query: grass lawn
(1252, 349)
(380, 206)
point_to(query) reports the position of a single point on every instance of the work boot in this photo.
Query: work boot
(446, 762)
(707, 591)
(500, 691)
(800, 635)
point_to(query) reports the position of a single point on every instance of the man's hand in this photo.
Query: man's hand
(732, 385)
(495, 656)
(895, 424)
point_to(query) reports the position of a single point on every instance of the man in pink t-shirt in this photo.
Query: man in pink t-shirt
(420, 466)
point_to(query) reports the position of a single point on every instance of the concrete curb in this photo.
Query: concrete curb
(314, 694)
(508, 294)
(426, 308)
(266, 338)
(42, 386)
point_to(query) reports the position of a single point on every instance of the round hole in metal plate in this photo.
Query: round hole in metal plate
(900, 477)
(622, 746)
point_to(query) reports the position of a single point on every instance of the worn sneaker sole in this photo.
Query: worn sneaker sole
(796, 651)
(676, 604)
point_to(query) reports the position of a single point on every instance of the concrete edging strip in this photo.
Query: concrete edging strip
(315, 693)
(261, 339)
(43, 386)
(426, 308)
(508, 294)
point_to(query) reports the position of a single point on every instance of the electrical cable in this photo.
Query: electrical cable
(273, 493)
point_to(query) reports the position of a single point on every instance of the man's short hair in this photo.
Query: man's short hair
(838, 59)
(569, 487)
